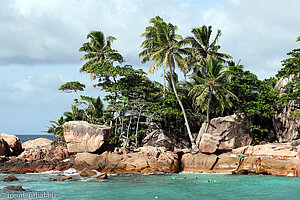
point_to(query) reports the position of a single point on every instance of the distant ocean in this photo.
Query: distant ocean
(24, 138)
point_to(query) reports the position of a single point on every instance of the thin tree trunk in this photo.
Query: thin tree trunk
(127, 135)
(82, 106)
(194, 148)
(122, 123)
(137, 128)
(164, 77)
(207, 116)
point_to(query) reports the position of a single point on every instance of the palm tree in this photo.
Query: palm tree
(161, 46)
(98, 50)
(209, 86)
(200, 46)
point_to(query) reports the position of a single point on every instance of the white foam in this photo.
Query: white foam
(46, 172)
(71, 171)
(96, 172)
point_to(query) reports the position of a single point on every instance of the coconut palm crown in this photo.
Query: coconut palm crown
(200, 46)
(98, 50)
(162, 46)
(209, 86)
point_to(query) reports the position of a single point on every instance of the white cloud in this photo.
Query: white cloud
(37, 36)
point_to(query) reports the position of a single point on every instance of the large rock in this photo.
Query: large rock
(44, 153)
(273, 159)
(198, 162)
(3, 147)
(90, 159)
(159, 138)
(10, 178)
(14, 144)
(226, 163)
(37, 143)
(282, 151)
(60, 178)
(87, 172)
(143, 160)
(287, 127)
(14, 188)
(81, 136)
(224, 133)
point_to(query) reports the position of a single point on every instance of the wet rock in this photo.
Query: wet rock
(14, 188)
(81, 136)
(60, 178)
(10, 178)
(101, 176)
(241, 172)
(87, 173)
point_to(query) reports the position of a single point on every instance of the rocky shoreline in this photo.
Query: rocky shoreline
(268, 159)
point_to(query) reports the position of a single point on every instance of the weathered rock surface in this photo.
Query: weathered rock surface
(10, 178)
(282, 151)
(45, 153)
(287, 127)
(14, 146)
(14, 188)
(198, 162)
(38, 159)
(159, 138)
(37, 143)
(143, 160)
(3, 147)
(87, 172)
(268, 159)
(81, 136)
(224, 133)
(60, 178)
(226, 164)
(101, 176)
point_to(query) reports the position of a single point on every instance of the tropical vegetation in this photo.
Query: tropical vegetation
(213, 85)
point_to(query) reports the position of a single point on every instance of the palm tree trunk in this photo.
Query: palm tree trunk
(194, 148)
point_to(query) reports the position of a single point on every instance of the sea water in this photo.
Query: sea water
(169, 186)
(25, 138)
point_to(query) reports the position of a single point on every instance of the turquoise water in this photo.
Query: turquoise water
(169, 186)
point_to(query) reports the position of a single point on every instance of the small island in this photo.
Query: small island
(215, 117)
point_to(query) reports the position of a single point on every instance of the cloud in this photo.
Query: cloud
(51, 31)
(260, 33)
(39, 42)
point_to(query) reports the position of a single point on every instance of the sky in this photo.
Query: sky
(39, 42)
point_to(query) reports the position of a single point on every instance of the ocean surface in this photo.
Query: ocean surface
(144, 187)
(24, 138)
